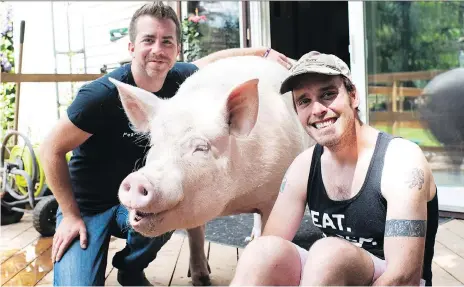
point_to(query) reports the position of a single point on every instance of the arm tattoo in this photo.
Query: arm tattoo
(417, 178)
(282, 186)
(405, 228)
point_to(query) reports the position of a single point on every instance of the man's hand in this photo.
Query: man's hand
(280, 58)
(69, 228)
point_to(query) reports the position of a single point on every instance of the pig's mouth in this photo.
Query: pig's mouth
(140, 219)
(139, 215)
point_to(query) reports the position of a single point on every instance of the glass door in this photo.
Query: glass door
(357, 50)
(210, 26)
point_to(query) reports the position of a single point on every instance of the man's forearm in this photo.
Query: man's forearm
(57, 174)
(390, 278)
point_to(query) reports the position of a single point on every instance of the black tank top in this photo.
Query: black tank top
(361, 219)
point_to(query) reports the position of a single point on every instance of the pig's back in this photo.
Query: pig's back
(229, 72)
(223, 75)
(276, 112)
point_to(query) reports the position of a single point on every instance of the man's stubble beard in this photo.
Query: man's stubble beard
(347, 138)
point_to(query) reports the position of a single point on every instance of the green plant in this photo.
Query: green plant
(191, 37)
(7, 90)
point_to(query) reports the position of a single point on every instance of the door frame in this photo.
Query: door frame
(260, 31)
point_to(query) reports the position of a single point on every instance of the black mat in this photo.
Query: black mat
(232, 230)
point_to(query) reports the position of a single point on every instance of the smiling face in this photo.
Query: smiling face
(155, 47)
(325, 108)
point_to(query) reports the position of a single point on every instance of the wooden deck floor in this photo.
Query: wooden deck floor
(25, 258)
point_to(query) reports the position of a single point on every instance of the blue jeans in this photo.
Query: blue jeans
(86, 267)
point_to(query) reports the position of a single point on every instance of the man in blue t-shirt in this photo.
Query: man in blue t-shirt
(105, 150)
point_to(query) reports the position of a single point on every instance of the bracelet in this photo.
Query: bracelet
(267, 52)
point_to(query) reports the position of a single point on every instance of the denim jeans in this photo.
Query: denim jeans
(86, 267)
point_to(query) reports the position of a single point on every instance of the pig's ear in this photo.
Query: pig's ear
(140, 105)
(242, 108)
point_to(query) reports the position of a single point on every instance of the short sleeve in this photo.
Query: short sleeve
(185, 70)
(89, 110)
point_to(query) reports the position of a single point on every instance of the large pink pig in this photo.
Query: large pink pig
(219, 147)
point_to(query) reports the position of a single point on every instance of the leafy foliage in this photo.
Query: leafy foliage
(191, 37)
(413, 36)
(7, 90)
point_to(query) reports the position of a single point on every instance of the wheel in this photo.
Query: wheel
(44, 216)
(10, 216)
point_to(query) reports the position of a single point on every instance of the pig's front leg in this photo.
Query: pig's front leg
(257, 227)
(198, 268)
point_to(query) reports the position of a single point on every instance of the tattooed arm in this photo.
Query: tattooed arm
(406, 185)
(288, 210)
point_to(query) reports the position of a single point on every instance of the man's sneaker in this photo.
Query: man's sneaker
(131, 278)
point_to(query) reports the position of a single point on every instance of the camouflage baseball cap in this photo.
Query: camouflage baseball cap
(315, 62)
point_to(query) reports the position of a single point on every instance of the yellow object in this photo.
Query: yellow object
(23, 153)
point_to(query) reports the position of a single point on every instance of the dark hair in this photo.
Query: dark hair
(156, 10)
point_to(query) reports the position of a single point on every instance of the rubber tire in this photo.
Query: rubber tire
(10, 216)
(44, 216)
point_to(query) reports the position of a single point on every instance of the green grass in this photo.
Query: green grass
(420, 136)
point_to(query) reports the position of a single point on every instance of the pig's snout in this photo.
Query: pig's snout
(136, 191)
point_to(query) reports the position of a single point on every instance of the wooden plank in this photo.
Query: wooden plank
(41, 78)
(443, 278)
(112, 279)
(11, 247)
(160, 271)
(451, 240)
(222, 260)
(449, 261)
(13, 230)
(34, 272)
(47, 280)
(14, 265)
(179, 277)
(239, 252)
(455, 226)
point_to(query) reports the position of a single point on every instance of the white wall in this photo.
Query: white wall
(37, 100)
(90, 23)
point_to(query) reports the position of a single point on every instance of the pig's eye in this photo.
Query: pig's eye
(203, 147)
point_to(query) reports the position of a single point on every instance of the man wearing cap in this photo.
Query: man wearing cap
(373, 196)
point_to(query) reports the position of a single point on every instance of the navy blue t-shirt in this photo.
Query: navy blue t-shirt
(114, 150)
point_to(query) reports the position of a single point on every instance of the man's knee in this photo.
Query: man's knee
(266, 249)
(336, 259)
(331, 250)
(268, 260)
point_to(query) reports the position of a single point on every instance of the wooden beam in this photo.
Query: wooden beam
(403, 76)
(404, 91)
(21, 78)
(393, 117)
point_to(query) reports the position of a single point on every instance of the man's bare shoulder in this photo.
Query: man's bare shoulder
(298, 172)
(406, 167)
(304, 158)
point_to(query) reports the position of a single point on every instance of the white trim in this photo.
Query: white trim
(240, 23)
(358, 55)
(260, 27)
(451, 198)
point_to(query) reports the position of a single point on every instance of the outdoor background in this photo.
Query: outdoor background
(408, 43)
